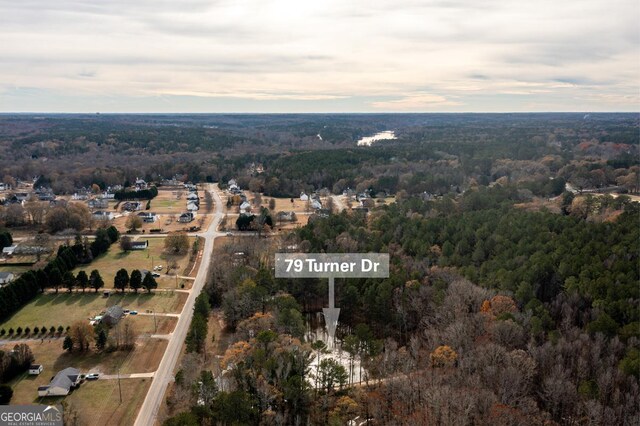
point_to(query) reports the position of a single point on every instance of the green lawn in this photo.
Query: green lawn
(64, 308)
(114, 259)
(167, 204)
(15, 269)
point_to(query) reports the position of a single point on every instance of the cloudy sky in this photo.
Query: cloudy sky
(319, 56)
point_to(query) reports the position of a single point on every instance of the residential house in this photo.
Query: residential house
(148, 217)
(192, 206)
(304, 197)
(193, 196)
(245, 207)
(6, 278)
(285, 216)
(4, 186)
(8, 251)
(98, 203)
(35, 369)
(21, 196)
(113, 315)
(102, 215)
(316, 204)
(185, 217)
(62, 383)
(132, 206)
(141, 184)
(139, 245)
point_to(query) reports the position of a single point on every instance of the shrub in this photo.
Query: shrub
(11, 331)
(27, 331)
(36, 330)
(3, 332)
(52, 330)
(18, 331)
(60, 329)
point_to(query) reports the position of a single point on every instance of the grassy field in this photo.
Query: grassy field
(114, 259)
(15, 269)
(99, 402)
(64, 308)
(145, 358)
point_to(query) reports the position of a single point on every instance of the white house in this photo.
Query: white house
(6, 278)
(245, 206)
(8, 251)
(193, 196)
(62, 383)
(315, 204)
(4, 186)
(148, 217)
(304, 197)
(102, 215)
(192, 207)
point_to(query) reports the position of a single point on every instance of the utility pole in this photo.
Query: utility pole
(119, 387)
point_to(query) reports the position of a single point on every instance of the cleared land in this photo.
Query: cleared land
(65, 308)
(93, 399)
(114, 259)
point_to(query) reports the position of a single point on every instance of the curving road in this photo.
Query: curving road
(163, 375)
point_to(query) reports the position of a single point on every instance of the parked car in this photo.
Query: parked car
(133, 313)
(92, 376)
(155, 275)
(126, 311)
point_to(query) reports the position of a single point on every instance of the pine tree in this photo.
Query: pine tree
(149, 283)
(136, 280)
(101, 339)
(67, 345)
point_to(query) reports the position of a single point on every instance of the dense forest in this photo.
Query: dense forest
(492, 314)
(436, 153)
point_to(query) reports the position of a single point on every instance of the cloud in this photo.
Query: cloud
(361, 55)
(414, 102)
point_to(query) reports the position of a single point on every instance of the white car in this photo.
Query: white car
(92, 376)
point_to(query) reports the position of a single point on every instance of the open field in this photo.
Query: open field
(65, 308)
(114, 259)
(93, 399)
(15, 269)
(102, 404)
(144, 324)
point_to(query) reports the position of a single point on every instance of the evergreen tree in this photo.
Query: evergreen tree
(136, 280)
(67, 345)
(83, 280)
(149, 283)
(121, 280)
(96, 280)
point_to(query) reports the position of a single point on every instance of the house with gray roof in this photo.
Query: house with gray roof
(62, 383)
(113, 315)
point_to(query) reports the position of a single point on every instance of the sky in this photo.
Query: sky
(319, 56)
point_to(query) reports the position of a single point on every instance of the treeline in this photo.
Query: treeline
(55, 274)
(198, 329)
(143, 194)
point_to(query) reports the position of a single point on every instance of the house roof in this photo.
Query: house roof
(65, 378)
(114, 311)
(6, 275)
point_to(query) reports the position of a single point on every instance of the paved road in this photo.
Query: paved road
(149, 410)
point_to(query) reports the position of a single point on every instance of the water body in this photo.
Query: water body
(369, 140)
